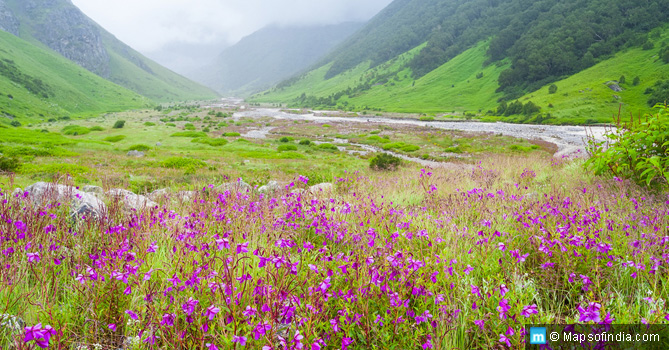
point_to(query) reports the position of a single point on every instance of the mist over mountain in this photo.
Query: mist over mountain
(62, 27)
(270, 55)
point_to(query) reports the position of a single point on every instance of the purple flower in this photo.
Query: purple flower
(112, 326)
(240, 340)
(504, 339)
(211, 346)
(608, 319)
(480, 323)
(589, 313)
(132, 314)
(152, 248)
(345, 342)
(189, 306)
(261, 329)
(168, 320)
(40, 335)
(503, 308)
(33, 257)
(503, 289)
(243, 248)
(529, 310)
(211, 312)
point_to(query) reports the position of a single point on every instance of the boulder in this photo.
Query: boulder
(137, 154)
(93, 189)
(130, 200)
(271, 187)
(82, 202)
(17, 191)
(157, 195)
(185, 195)
(322, 187)
(238, 186)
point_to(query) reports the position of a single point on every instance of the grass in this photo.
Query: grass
(71, 90)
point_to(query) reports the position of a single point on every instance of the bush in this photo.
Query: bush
(75, 130)
(636, 81)
(15, 123)
(189, 134)
(305, 142)
(9, 164)
(116, 138)
(328, 147)
(210, 141)
(149, 124)
(283, 148)
(96, 128)
(638, 151)
(284, 139)
(401, 146)
(552, 89)
(384, 162)
(119, 124)
(139, 147)
(183, 163)
(231, 134)
(622, 80)
(426, 119)
(659, 93)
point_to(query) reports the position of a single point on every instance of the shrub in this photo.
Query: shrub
(183, 163)
(384, 161)
(659, 93)
(75, 130)
(552, 89)
(210, 141)
(284, 139)
(231, 134)
(622, 80)
(96, 128)
(149, 124)
(637, 150)
(426, 119)
(283, 148)
(15, 123)
(636, 81)
(116, 138)
(170, 124)
(305, 142)
(189, 134)
(401, 146)
(119, 124)
(328, 147)
(139, 147)
(9, 164)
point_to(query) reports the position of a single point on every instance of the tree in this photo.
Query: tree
(636, 81)
(621, 80)
(119, 124)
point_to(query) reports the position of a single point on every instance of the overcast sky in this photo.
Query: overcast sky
(154, 26)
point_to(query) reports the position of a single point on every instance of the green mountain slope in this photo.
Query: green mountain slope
(37, 84)
(62, 27)
(270, 55)
(471, 55)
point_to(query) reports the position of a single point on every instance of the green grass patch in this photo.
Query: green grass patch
(183, 163)
(284, 148)
(189, 134)
(74, 130)
(149, 124)
(139, 147)
(96, 128)
(400, 146)
(115, 138)
(231, 134)
(210, 141)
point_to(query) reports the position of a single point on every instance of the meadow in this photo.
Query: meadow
(452, 257)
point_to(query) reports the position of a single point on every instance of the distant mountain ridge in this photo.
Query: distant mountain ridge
(270, 55)
(62, 27)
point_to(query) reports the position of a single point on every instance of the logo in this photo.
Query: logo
(538, 335)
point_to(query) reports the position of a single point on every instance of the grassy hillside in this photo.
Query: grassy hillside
(62, 27)
(38, 84)
(467, 84)
(585, 96)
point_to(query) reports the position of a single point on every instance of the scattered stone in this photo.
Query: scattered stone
(93, 189)
(616, 97)
(130, 200)
(157, 195)
(613, 85)
(137, 154)
(158, 144)
(42, 192)
(12, 325)
(271, 187)
(239, 186)
(322, 187)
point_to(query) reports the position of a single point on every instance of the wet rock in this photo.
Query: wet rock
(130, 200)
(271, 187)
(41, 192)
(137, 154)
(93, 189)
(322, 187)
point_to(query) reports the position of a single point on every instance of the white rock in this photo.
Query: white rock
(158, 194)
(82, 202)
(322, 187)
(131, 200)
(271, 186)
(93, 189)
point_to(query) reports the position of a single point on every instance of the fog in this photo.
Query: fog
(185, 34)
